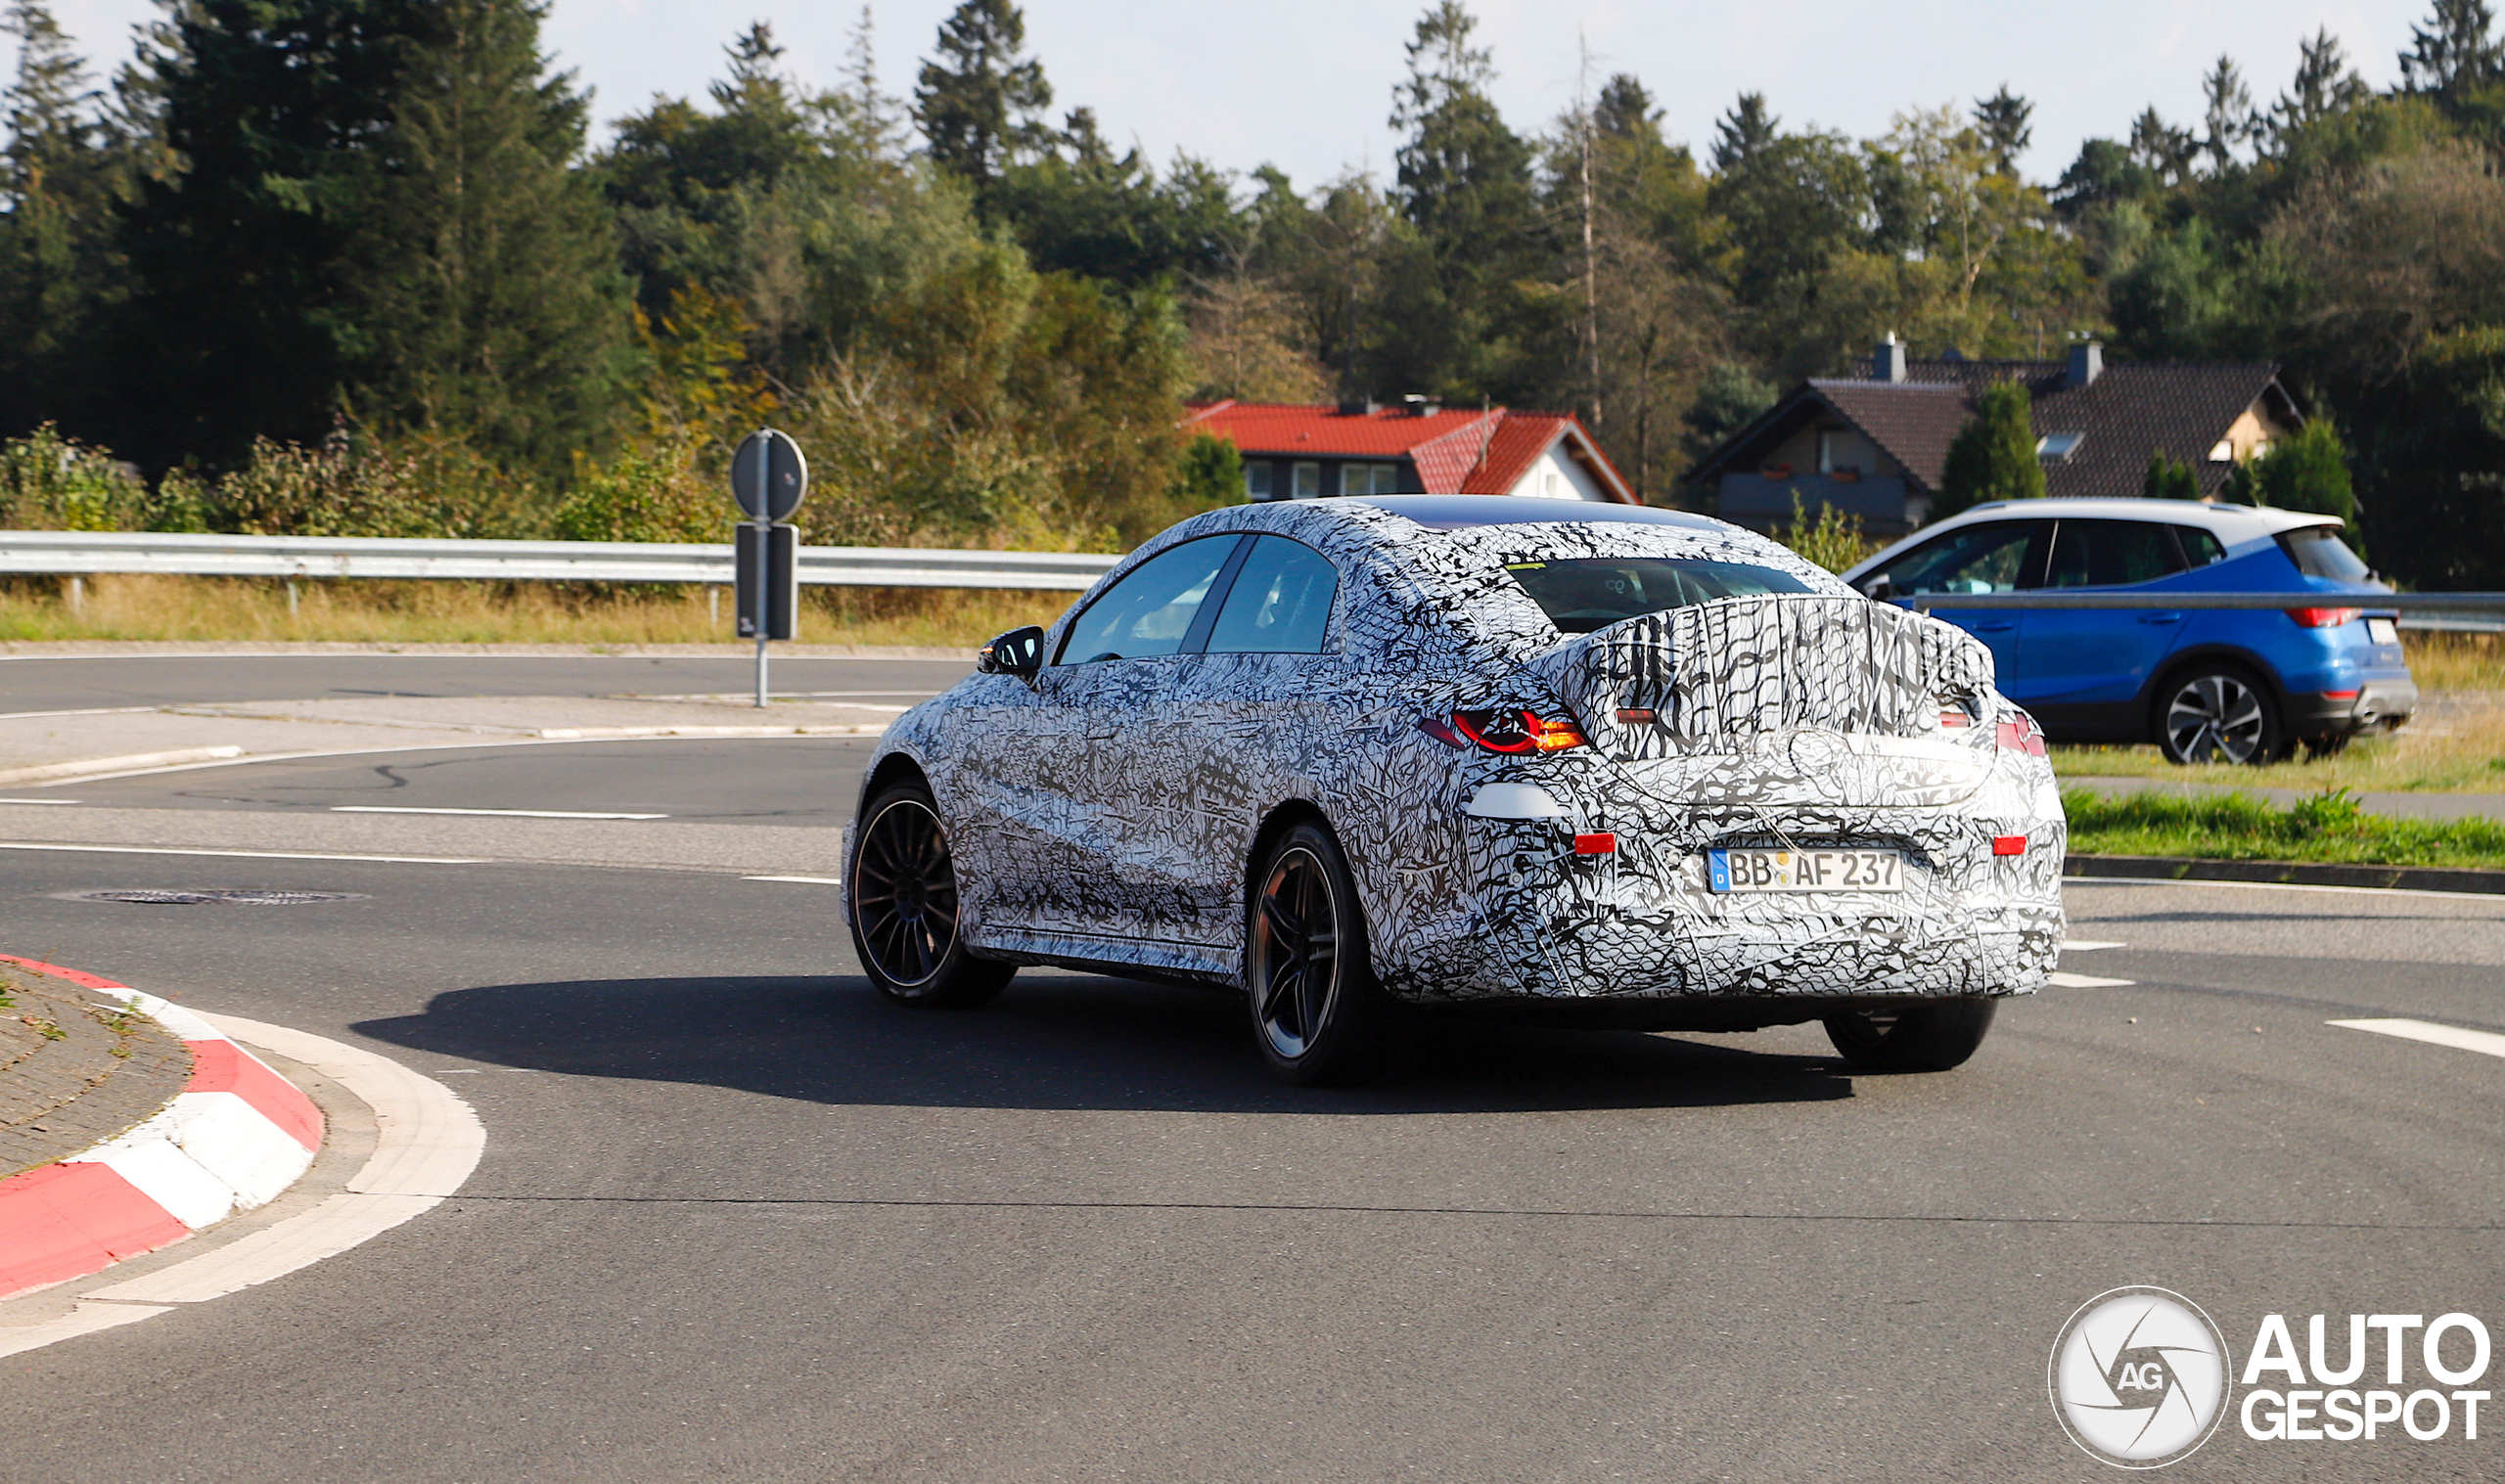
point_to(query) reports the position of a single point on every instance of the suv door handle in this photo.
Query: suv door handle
(2160, 617)
(2001, 627)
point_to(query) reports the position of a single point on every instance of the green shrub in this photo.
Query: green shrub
(1993, 455)
(48, 483)
(2169, 478)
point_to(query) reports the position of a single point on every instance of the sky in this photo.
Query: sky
(1306, 84)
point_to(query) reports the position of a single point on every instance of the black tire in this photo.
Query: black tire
(1926, 1036)
(2219, 713)
(1318, 1015)
(901, 898)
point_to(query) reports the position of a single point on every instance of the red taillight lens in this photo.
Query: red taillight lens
(1516, 731)
(2021, 736)
(2009, 844)
(2323, 618)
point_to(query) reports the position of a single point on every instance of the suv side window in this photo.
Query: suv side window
(1150, 612)
(2111, 553)
(1997, 558)
(2200, 547)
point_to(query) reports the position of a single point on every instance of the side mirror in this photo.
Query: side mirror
(1019, 652)
(1880, 589)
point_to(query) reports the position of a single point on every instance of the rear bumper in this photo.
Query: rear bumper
(2375, 704)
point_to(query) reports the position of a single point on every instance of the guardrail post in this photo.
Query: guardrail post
(77, 595)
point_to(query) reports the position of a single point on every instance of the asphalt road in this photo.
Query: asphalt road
(84, 681)
(740, 1219)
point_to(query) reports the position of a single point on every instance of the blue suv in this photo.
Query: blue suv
(2240, 686)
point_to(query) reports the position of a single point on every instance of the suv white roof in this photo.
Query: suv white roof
(2234, 525)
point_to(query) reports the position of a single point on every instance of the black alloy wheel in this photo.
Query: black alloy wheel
(1924, 1036)
(1317, 1013)
(2220, 714)
(902, 889)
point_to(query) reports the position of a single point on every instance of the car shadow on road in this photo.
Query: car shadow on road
(1058, 1041)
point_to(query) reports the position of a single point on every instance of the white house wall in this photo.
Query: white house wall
(1555, 476)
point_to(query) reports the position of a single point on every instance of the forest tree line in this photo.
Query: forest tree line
(351, 267)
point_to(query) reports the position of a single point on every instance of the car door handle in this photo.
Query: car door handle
(2160, 617)
(2002, 627)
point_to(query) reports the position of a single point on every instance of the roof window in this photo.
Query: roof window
(2057, 447)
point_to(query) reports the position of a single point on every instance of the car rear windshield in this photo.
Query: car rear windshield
(1588, 593)
(2318, 552)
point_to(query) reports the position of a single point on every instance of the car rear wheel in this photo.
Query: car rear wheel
(2220, 714)
(1317, 1013)
(902, 891)
(1926, 1036)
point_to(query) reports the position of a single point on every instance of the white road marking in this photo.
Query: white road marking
(428, 1140)
(2069, 882)
(37, 801)
(542, 740)
(531, 814)
(253, 855)
(805, 880)
(2059, 980)
(2488, 1043)
(2086, 945)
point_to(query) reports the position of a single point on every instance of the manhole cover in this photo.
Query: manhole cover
(156, 898)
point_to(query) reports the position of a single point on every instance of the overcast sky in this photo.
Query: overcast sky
(1306, 84)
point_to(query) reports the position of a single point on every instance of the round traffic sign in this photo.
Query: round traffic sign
(770, 476)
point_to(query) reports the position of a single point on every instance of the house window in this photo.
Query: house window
(1256, 480)
(1369, 478)
(1308, 480)
(1836, 453)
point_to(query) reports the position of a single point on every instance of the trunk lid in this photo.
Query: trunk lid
(1793, 699)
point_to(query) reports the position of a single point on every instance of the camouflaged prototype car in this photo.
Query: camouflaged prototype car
(1356, 756)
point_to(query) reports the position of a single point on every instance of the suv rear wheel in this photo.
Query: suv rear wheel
(2219, 713)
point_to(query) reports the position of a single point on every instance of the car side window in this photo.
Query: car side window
(2199, 548)
(1979, 559)
(1150, 612)
(2111, 554)
(1280, 603)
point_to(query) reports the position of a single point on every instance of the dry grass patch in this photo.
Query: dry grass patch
(257, 610)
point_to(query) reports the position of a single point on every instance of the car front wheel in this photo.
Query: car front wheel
(902, 891)
(1926, 1036)
(1317, 1013)
(2220, 714)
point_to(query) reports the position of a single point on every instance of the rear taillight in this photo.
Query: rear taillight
(1510, 730)
(2323, 618)
(2020, 735)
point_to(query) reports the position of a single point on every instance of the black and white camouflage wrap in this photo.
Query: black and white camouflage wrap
(1107, 815)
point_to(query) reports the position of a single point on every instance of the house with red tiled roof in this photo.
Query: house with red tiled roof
(1296, 452)
(1876, 445)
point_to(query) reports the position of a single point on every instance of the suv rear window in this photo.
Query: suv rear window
(2318, 552)
(1590, 593)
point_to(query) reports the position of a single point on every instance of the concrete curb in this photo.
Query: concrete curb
(77, 768)
(237, 1135)
(2164, 868)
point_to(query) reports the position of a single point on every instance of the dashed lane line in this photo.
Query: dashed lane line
(2061, 980)
(252, 855)
(2486, 1042)
(2087, 945)
(805, 880)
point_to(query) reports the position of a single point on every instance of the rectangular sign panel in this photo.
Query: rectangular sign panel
(768, 570)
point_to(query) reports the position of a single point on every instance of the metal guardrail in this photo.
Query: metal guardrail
(81, 553)
(2158, 602)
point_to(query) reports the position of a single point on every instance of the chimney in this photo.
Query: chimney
(1358, 407)
(1888, 364)
(1421, 406)
(2087, 363)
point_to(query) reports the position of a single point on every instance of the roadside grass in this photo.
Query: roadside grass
(251, 609)
(2326, 827)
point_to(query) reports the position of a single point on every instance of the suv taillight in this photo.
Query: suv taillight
(2323, 618)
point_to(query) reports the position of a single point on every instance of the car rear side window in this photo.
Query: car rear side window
(1150, 612)
(2199, 548)
(1280, 603)
(2111, 554)
(2318, 552)
(1588, 593)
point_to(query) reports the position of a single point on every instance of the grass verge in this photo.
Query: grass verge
(249, 610)
(2234, 826)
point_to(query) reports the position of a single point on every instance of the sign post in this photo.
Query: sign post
(768, 477)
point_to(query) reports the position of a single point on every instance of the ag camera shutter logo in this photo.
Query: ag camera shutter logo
(2139, 1377)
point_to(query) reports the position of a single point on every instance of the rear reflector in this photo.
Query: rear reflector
(1604, 844)
(2009, 844)
(2340, 696)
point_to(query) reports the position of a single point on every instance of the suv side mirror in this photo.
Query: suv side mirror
(1019, 652)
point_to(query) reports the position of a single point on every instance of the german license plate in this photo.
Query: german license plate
(1734, 870)
(2383, 631)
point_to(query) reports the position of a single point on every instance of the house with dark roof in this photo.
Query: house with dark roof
(1874, 445)
(1296, 452)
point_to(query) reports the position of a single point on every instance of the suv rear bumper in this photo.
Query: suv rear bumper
(2383, 703)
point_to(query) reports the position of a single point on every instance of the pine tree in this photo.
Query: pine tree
(2454, 52)
(58, 178)
(487, 299)
(2004, 120)
(1739, 134)
(1993, 455)
(980, 101)
(2229, 116)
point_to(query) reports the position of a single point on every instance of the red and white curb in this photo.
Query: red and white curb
(237, 1135)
